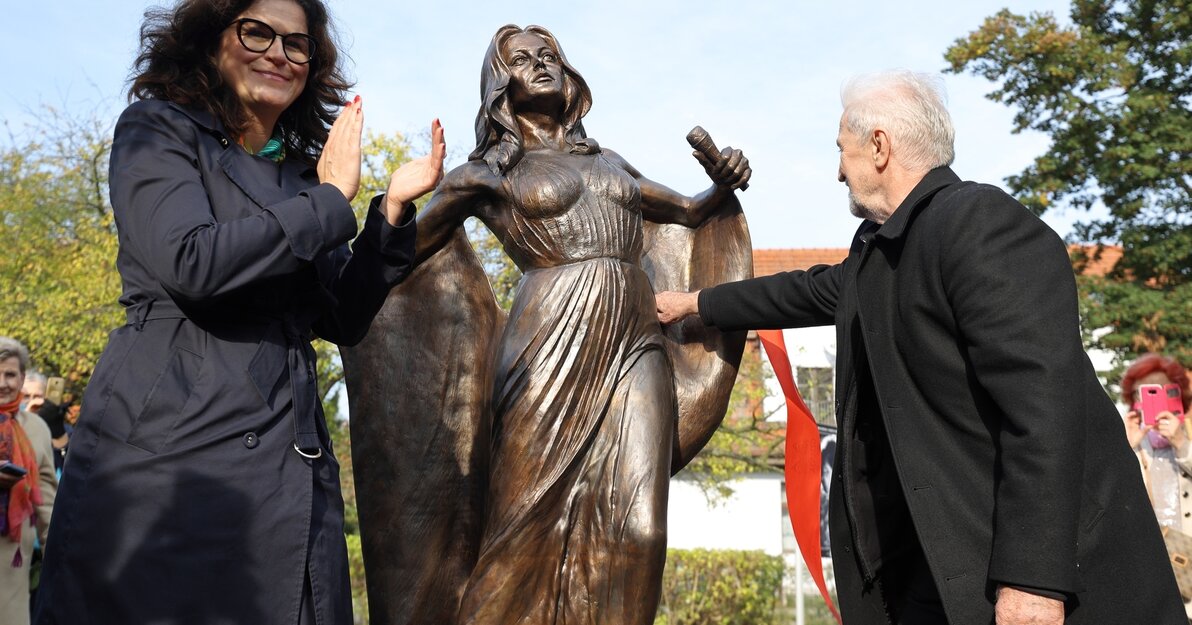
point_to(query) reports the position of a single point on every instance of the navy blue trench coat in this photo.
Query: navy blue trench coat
(201, 486)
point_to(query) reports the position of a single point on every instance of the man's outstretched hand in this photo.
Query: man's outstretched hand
(673, 306)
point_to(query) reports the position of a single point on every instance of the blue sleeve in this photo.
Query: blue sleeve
(381, 257)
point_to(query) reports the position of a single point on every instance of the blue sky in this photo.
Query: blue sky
(763, 76)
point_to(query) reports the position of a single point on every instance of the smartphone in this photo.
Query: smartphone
(14, 470)
(54, 389)
(1156, 398)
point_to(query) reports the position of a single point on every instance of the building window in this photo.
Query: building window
(816, 386)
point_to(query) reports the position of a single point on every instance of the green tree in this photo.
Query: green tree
(1113, 89)
(58, 268)
(746, 441)
(503, 275)
(719, 587)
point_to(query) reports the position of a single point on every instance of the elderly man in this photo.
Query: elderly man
(981, 472)
(27, 484)
(34, 391)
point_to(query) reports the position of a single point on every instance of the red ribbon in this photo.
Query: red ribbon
(802, 464)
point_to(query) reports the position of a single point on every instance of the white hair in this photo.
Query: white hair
(36, 377)
(910, 107)
(12, 348)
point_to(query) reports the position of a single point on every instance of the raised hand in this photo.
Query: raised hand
(339, 164)
(1135, 430)
(1172, 428)
(417, 177)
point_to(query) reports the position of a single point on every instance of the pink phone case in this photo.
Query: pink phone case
(1152, 400)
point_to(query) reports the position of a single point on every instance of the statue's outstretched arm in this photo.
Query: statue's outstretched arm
(466, 191)
(728, 169)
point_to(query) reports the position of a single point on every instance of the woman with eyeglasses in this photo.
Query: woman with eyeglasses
(201, 486)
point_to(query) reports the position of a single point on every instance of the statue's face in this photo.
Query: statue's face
(535, 72)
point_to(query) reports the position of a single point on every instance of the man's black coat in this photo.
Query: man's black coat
(960, 359)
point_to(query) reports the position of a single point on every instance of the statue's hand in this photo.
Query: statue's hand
(730, 169)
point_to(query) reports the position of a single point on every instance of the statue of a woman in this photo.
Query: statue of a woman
(522, 474)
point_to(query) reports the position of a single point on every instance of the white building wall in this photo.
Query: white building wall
(811, 348)
(751, 519)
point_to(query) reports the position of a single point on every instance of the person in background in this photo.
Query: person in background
(37, 403)
(27, 484)
(34, 392)
(201, 485)
(1163, 449)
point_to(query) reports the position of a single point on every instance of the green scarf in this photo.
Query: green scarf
(273, 149)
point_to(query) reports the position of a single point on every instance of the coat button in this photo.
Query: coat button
(223, 142)
(251, 440)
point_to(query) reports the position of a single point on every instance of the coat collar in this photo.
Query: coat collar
(242, 168)
(202, 118)
(898, 222)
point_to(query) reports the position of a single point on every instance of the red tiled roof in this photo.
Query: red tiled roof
(768, 262)
(1096, 262)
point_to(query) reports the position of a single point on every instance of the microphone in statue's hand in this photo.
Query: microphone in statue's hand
(702, 142)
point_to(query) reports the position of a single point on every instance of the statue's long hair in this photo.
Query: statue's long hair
(498, 139)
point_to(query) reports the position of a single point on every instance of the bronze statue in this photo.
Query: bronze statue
(515, 470)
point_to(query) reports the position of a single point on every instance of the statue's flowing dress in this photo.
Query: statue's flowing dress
(584, 408)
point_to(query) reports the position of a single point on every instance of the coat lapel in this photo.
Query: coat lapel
(258, 178)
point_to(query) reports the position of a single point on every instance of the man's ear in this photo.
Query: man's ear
(879, 145)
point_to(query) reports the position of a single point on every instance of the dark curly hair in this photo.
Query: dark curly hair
(1148, 364)
(498, 138)
(177, 63)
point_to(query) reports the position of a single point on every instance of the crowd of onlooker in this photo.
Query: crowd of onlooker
(35, 426)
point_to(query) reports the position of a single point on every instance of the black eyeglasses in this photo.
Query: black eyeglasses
(257, 36)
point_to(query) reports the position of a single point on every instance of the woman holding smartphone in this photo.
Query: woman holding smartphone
(1161, 441)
